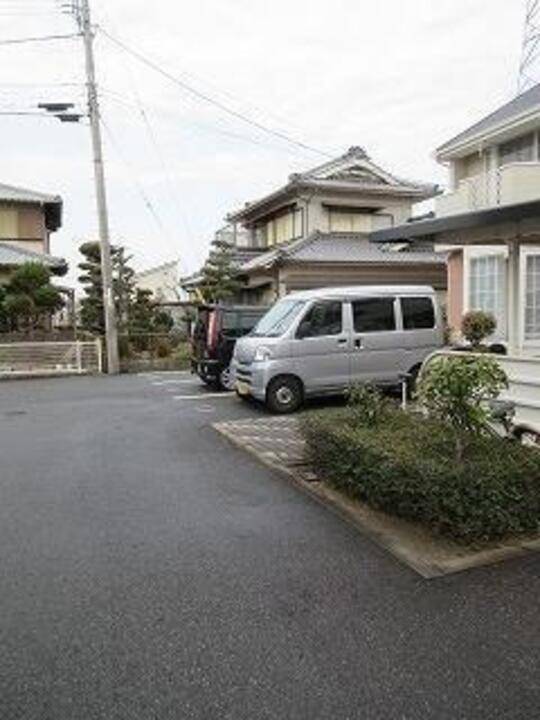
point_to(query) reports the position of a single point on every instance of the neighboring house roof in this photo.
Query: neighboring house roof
(171, 265)
(339, 248)
(464, 221)
(13, 256)
(51, 203)
(520, 108)
(352, 172)
(239, 257)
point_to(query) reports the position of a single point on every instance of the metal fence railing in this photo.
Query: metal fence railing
(50, 358)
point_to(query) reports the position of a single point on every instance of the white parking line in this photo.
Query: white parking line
(176, 382)
(164, 374)
(202, 396)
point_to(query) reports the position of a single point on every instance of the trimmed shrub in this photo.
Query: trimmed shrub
(476, 326)
(406, 467)
(367, 404)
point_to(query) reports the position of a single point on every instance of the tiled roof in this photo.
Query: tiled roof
(340, 248)
(12, 256)
(10, 193)
(506, 113)
(353, 172)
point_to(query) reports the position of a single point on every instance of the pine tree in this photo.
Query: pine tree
(91, 316)
(29, 298)
(219, 277)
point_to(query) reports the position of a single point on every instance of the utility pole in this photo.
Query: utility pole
(529, 73)
(81, 9)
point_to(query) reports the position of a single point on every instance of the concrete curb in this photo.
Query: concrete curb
(430, 557)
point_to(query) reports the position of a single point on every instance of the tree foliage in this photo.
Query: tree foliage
(29, 298)
(476, 326)
(456, 389)
(145, 317)
(136, 312)
(219, 277)
(91, 315)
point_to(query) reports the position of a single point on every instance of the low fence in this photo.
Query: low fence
(50, 358)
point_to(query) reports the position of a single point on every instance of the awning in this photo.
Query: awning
(465, 221)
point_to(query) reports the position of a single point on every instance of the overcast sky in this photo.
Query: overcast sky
(398, 78)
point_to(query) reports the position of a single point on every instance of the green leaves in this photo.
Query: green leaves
(367, 404)
(455, 389)
(219, 278)
(29, 297)
(476, 326)
(406, 467)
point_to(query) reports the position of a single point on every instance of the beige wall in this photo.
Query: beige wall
(318, 214)
(468, 166)
(310, 277)
(163, 282)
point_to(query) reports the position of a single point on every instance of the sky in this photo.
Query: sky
(398, 78)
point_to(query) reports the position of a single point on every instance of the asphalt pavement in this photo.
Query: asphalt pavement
(148, 569)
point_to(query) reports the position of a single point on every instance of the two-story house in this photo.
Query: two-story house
(314, 231)
(27, 219)
(489, 221)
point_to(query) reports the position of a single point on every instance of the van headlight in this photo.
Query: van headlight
(262, 354)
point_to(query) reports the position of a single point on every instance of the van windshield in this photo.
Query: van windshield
(278, 319)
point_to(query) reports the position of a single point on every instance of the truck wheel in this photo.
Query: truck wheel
(225, 379)
(284, 395)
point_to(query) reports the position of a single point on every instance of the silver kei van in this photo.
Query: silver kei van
(320, 342)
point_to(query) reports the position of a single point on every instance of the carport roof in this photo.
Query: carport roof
(465, 221)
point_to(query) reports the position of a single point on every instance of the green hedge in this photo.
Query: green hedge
(406, 466)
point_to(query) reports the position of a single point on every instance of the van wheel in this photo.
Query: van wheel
(284, 395)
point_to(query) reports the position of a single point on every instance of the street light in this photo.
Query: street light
(60, 111)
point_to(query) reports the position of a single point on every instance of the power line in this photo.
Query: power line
(127, 103)
(530, 53)
(43, 38)
(19, 113)
(208, 99)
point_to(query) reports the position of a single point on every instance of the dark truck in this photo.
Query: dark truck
(213, 335)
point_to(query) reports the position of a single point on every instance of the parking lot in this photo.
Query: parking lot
(152, 570)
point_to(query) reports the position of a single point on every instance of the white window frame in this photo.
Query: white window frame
(474, 253)
(526, 251)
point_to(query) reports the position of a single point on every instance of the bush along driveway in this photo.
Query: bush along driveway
(437, 489)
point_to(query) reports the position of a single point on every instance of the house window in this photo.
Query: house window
(350, 220)
(373, 315)
(532, 298)
(283, 227)
(521, 149)
(9, 224)
(487, 286)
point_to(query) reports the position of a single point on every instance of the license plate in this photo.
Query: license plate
(242, 388)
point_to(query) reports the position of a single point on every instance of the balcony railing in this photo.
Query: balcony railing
(513, 183)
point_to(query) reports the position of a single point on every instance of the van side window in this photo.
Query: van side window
(323, 318)
(418, 313)
(373, 314)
